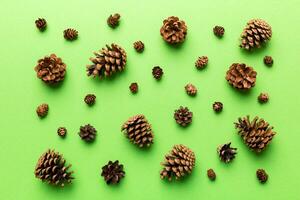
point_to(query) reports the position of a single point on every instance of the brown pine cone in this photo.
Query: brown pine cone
(138, 131)
(226, 153)
(113, 20)
(201, 62)
(62, 131)
(263, 98)
(70, 34)
(90, 99)
(41, 24)
(257, 134)
(87, 133)
(51, 69)
(113, 172)
(183, 116)
(51, 168)
(139, 46)
(190, 89)
(219, 31)
(262, 175)
(42, 110)
(107, 62)
(157, 72)
(256, 33)
(179, 162)
(241, 76)
(134, 88)
(211, 174)
(173, 30)
(268, 60)
(218, 106)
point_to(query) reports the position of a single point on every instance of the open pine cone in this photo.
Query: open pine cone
(113, 20)
(108, 61)
(51, 168)
(226, 153)
(113, 172)
(70, 34)
(87, 133)
(183, 116)
(138, 131)
(173, 30)
(179, 162)
(257, 134)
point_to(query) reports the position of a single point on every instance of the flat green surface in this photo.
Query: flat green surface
(24, 137)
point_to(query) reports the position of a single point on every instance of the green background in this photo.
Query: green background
(24, 137)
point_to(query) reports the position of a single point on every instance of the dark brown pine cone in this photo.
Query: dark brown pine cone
(51, 168)
(134, 88)
(190, 89)
(178, 163)
(226, 153)
(90, 99)
(262, 175)
(62, 131)
(268, 60)
(257, 134)
(70, 34)
(201, 62)
(241, 76)
(211, 174)
(113, 20)
(218, 106)
(219, 31)
(41, 24)
(173, 30)
(138, 131)
(256, 33)
(51, 69)
(113, 172)
(183, 116)
(107, 62)
(263, 98)
(87, 133)
(42, 110)
(139, 46)
(157, 72)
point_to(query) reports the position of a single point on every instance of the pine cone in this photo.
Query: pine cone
(62, 131)
(108, 61)
(157, 72)
(201, 62)
(87, 133)
(190, 89)
(183, 116)
(113, 20)
(219, 31)
(226, 153)
(90, 99)
(42, 110)
(179, 162)
(256, 33)
(139, 46)
(134, 87)
(241, 76)
(51, 168)
(173, 30)
(138, 131)
(211, 174)
(263, 98)
(268, 60)
(70, 34)
(41, 24)
(218, 106)
(257, 134)
(113, 172)
(51, 69)
(261, 175)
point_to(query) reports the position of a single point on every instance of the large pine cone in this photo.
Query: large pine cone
(51, 168)
(108, 61)
(256, 32)
(51, 69)
(138, 130)
(241, 76)
(179, 162)
(173, 30)
(113, 172)
(257, 134)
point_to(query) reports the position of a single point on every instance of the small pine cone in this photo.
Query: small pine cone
(241, 76)
(268, 60)
(113, 172)
(226, 153)
(70, 34)
(113, 20)
(263, 98)
(256, 33)
(138, 131)
(179, 162)
(211, 174)
(190, 89)
(62, 131)
(262, 175)
(41, 24)
(87, 133)
(157, 72)
(218, 106)
(134, 88)
(107, 62)
(201, 62)
(257, 134)
(51, 69)
(139, 46)
(219, 31)
(51, 168)
(183, 116)
(90, 99)
(42, 110)
(173, 30)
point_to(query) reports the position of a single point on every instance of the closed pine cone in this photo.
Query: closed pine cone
(179, 162)
(201, 62)
(190, 89)
(256, 33)
(139, 46)
(87, 133)
(51, 168)
(173, 30)
(113, 172)
(41, 24)
(262, 175)
(70, 34)
(219, 31)
(257, 134)
(183, 116)
(113, 20)
(90, 99)
(108, 61)
(138, 131)
(42, 110)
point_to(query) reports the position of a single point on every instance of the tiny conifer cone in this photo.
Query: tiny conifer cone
(157, 72)
(70, 34)
(219, 31)
(138, 131)
(226, 153)
(139, 46)
(255, 34)
(90, 99)
(257, 134)
(190, 89)
(261, 175)
(179, 162)
(87, 133)
(51, 168)
(62, 131)
(218, 106)
(173, 30)
(268, 60)
(201, 62)
(113, 172)
(241, 76)
(41, 24)
(134, 87)
(211, 174)
(183, 116)
(113, 20)
(42, 110)
(107, 62)
(263, 98)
